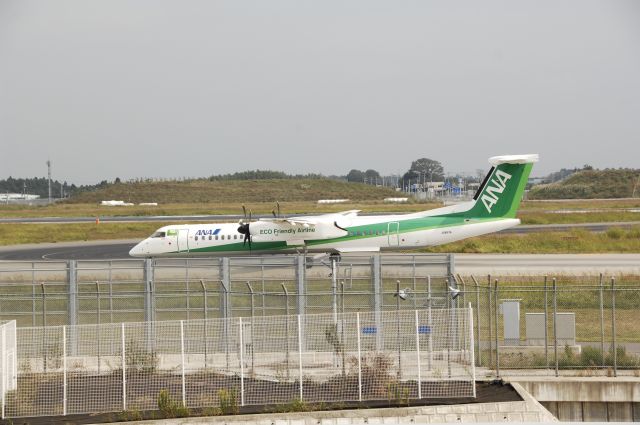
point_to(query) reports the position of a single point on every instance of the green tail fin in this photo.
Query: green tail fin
(500, 194)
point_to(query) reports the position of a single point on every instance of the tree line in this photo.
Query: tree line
(422, 169)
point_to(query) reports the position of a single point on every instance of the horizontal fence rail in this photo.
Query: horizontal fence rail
(395, 355)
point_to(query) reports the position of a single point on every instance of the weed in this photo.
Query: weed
(615, 233)
(211, 411)
(375, 373)
(130, 415)
(169, 407)
(295, 405)
(228, 402)
(397, 393)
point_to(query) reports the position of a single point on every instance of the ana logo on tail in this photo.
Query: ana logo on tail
(490, 196)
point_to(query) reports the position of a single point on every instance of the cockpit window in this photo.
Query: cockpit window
(159, 235)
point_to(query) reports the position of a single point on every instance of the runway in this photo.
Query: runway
(480, 264)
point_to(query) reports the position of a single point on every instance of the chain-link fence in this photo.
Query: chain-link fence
(94, 292)
(8, 360)
(230, 363)
(587, 324)
(555, 325)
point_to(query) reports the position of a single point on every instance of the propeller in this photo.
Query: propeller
(277, 209)
(244, 228)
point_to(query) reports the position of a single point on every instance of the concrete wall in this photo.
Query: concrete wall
(586, 399)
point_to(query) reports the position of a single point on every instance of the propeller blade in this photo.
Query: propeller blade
(274, 214)
(244, 211)
(278, 206)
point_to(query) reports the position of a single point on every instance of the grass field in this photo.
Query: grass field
(238, 191)
(615, 240)
(531, 212)
(287, 208)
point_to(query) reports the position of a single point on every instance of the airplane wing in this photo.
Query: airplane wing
(294, 221)
(311, 220)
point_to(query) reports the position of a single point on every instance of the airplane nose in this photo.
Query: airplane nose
(137, 251)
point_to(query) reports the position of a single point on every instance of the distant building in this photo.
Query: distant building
(4, 197)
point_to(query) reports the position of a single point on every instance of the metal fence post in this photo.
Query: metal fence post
(376, 281)
(64, 370)
(555, 325)
(490, 321)
(613, 327)
(44, 325)
(252, 322)
(225, 308)
(473, 366)
(359, 357)
(225, 282)
(182, 361)
(149, 315)
(33, 294)
(451, 268)
(148, 290)
(300, 276)
(98, 327)
(3, 366)
(430, 323)
(546, 322)
(601, 293)
(124, 371)
(477, 321)
(72, 305)
(398, 329)
(286, 324)
(241, 362)
(204, 326)
(496, 331)
(418, 355)
(300, 353)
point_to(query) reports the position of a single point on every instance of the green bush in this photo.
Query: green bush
(169, 407)
(591, 356)
(228, 402)
(615, 233)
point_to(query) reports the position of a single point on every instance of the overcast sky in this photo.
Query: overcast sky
(135, 88)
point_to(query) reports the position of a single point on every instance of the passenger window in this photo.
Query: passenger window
(235, 236)
(370, 232)
(209, 237)
(196, 238)
(216, 237)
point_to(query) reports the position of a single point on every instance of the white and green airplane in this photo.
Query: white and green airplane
(493, 208)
